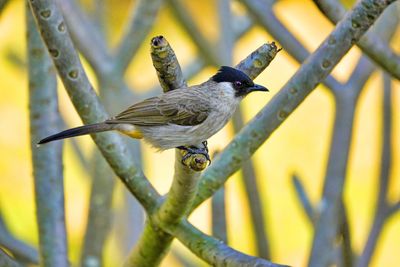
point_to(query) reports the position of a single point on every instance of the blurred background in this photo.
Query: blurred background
(300, 145)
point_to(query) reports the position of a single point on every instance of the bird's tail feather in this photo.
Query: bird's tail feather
(82, 130)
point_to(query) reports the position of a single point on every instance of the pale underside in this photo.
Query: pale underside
(183, 117)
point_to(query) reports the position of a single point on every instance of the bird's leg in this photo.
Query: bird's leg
(192, 150)
(205, 144)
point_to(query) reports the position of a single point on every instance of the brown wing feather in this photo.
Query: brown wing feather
(181, 107)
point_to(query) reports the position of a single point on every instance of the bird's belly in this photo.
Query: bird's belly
(172, 135)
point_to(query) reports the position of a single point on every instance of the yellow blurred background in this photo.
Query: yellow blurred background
(300, 145)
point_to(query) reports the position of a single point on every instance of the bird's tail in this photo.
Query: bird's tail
(82, 130)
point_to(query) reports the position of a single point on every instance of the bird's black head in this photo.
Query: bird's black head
(242, 83)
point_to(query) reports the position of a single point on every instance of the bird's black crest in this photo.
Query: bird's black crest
(229, 74)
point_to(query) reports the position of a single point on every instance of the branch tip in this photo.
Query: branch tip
(158, 41)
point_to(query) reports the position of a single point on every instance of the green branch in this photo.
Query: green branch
(47, 161)
(213, 251)
(154, 243)
(371, 44)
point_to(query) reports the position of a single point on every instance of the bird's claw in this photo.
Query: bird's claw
(192, 150)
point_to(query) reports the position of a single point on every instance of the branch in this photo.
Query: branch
(318, 66)
(394, 208)
(226, 32)
(218, 215)
(346, 99)
(100, 212)
(262, 12)
(184, 186)
(181, 195)
(47, 162)
(151, 247)
(204, 46)
(154, 242)
(304, 199)
(79, 88)
(253, 196)
(85, 35)
(7, 261)
(327, 227)
(213, 251)
(242, 25)
(3, 4)
(86, 102)
(226, 44)
(377, 49)
(19, 249)
(142, 19)
(382, 205)
(347, 251)
(169, 71)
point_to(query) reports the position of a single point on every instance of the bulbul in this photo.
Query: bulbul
(181, 118)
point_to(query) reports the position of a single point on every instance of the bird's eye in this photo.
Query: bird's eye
(238, 83)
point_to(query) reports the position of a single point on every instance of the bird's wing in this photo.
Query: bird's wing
(181, 107)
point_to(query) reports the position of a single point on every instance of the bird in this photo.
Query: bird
(183, 118)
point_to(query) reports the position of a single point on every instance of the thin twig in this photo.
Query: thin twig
(19, 249)
(47, 161)
(344, 231)
(372, 45)
(382, 205)
(253, 196)
(141, 20)
(204, 46)
(218, 217)
(226, 32)
(7, 261)
(304, 199)
(100, 213)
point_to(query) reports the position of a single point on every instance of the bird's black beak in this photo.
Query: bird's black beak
(257, 87)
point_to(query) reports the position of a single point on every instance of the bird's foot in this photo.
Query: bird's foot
(193, 150)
